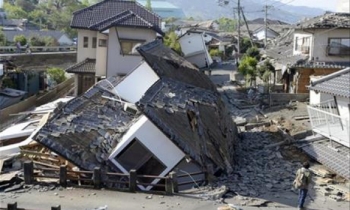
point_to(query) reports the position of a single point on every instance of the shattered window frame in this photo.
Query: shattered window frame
(302, 44)
(338, 46)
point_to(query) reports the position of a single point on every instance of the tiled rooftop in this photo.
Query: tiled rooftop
(337, 84)
(328, 20)
(88, 127)
(171, 105)
(109, 13)
(86, 66)
(167, 63)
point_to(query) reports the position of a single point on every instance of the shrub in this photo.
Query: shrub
(21, 39)
(56, 74)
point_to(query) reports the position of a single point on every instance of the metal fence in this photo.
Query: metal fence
(33, 49)
(325, 120)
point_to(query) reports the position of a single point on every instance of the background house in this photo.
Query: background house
(194, 49)
(110, 39)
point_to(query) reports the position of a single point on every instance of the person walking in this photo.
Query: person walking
(302, 182)
(18, 45)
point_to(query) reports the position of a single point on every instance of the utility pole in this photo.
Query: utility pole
(239, 28)
(266, 8)
(246, 24)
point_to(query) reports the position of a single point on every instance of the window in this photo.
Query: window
(94, 42)
(137, 156)
(128, 46)
(86, 42)
(102, 42)
(302, 44)
(339, 46)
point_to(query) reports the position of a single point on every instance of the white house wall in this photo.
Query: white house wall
(134, 86)
(300, 35)
(321, 43)
(319, 40)
(89, 52)
(101, 55)
(343, 106)
(118, 64)
(317, 97)
(151, 137)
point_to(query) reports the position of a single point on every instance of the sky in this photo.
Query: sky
(323, 4)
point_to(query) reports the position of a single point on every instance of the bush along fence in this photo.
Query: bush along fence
(119, 181)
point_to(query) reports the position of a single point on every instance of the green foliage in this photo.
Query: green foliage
(14, 12)
(253, 52)
(215, 52)
(171, 41)
(57, 74)
(21, 39)
(227, 24)
(248, 69)
(3, 40)
(7, 82)
(50, 41)
(149, 5)
(245, 44)
(265, 70)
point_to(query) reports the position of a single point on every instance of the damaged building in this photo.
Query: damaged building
(163, 116)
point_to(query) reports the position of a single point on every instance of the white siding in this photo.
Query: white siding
(117, 64)
(89, 52)
(101, 57)
(343, 106)
(133, 87)
(150, 136)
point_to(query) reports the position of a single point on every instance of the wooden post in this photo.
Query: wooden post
(28, 172)
(58, 207)
(175, 182)
(12, 206)
(132, 180)
(97, 178)
(63, 175)
(168, 186)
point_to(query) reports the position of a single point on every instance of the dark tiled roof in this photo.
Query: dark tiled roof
(87, 128)
(211, 139)
(10, 96)
(86, 66)
(167, 63)
(337, 83)
(328, 20)
(109, 13)
(284, 55)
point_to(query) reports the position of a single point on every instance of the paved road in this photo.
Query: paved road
(83, 199)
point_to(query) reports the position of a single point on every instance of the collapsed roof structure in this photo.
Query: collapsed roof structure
(120, 123)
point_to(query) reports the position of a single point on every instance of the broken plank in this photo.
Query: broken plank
(306, 117)
(28, 152)
(45, 164)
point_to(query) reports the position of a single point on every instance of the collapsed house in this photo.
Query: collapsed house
(163, 116)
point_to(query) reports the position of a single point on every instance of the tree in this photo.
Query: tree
(227, 24)
(56, 74)
(3, 40)
(253, 52)
(171, 41)
(14, 12)
(245, 45)
(266, 70)
(247, 68)
(148, 5)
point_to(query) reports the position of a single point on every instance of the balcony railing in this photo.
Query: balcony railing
(325, 120)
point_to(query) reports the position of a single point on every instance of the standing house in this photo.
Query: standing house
(108, 34)
(194, 49)
(329, 113)
(260, 33)
(119, 126)
(325, 40)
